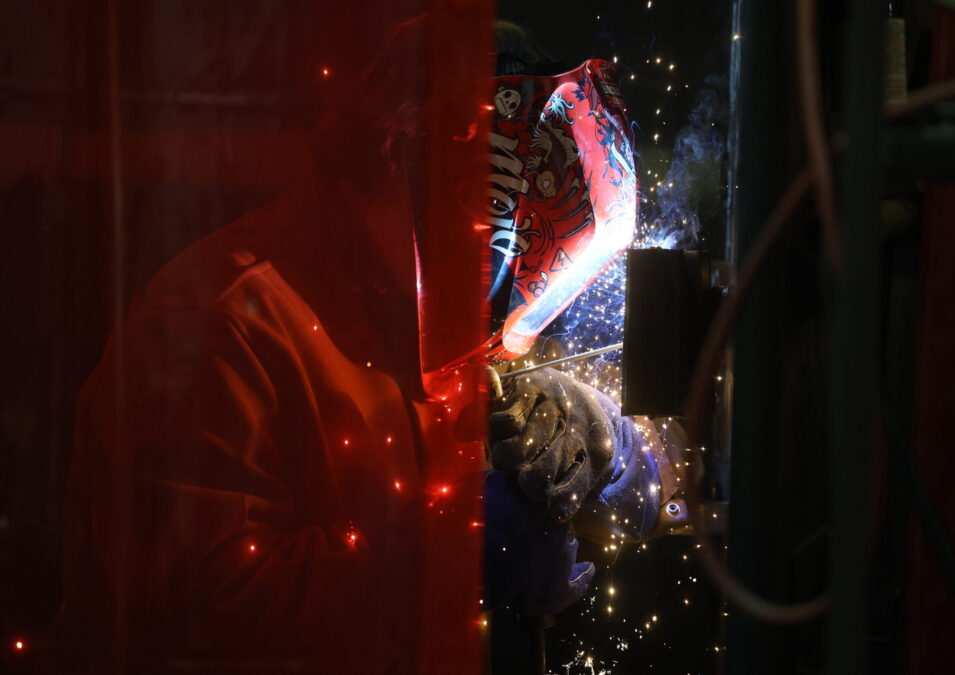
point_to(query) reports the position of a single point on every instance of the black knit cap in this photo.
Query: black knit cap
(519, 54)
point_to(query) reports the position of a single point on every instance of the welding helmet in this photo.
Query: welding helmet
(562, 195)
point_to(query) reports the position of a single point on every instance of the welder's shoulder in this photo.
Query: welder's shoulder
(227, 272)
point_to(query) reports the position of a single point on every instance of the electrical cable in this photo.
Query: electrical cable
(717, 335)
(810, 99)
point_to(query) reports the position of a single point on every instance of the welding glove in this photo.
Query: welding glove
(639, 497)
(530, 559)
(572, 449)
(555, 435)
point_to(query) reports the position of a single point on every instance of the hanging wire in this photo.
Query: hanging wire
(719, 331)
(810, 99)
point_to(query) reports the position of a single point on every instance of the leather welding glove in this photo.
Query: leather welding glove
(530, 560)
(638, 497)
(555, 435)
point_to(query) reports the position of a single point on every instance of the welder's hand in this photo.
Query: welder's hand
(530, 560)
(627, 500)
(639, 496)
(555, 434)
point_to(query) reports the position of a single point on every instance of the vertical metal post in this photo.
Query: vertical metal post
(854, 340)
(763, 120)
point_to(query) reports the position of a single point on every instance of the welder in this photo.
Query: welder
(562, 203)
(245, 491)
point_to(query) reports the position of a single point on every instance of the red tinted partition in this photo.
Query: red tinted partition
(275, 211)
(451, 245)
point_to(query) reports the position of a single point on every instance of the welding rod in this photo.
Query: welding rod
(566, 359)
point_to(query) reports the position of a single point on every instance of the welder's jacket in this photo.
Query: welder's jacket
(249, 487)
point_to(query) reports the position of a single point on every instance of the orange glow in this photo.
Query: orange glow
(472, 132)
(398, 485)
(326, 72)
(18, 645)
(252, 548)
(389, 440)
(346, 442)
(438, 493)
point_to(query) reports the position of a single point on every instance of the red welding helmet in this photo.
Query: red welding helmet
(562, 195)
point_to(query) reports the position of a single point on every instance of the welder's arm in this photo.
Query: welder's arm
(530, 559)
(194, 520)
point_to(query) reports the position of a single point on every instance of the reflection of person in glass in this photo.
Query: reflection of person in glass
(253, 488)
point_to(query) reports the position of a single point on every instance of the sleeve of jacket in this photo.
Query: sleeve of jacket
(196, 531)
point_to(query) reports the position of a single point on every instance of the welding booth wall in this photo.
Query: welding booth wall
(133, 129)
(930, 608)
